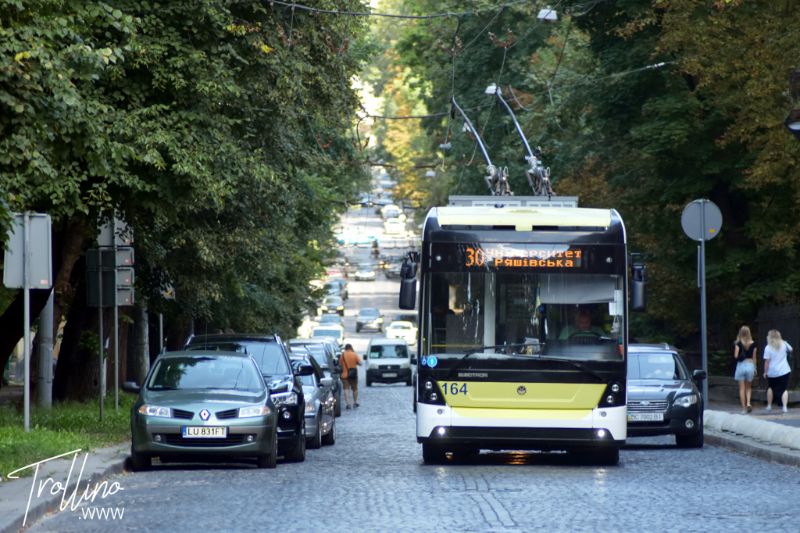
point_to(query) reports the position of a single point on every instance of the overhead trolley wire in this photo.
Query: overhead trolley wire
(446, 14)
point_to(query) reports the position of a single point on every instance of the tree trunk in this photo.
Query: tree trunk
(68, 243)
(138, 361)
(11, 322)
(78, 368)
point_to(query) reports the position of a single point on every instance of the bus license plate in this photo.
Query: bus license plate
(390, 374)
(205, 432)
(645, 417)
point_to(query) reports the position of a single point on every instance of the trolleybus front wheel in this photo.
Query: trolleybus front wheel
(433, 454)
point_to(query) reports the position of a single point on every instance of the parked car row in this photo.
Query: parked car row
(235, 396)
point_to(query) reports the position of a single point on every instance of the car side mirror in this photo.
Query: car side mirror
(413, 360)
(699, 375)
(304, 370)
(366, 356)
(131, 386)
(326, 382)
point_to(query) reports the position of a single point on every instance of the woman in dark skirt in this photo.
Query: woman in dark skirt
(777, 369)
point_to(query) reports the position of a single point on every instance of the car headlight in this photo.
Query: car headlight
(310, 408)
(686, 401)
(286, 398)
(154, 410)
(255, 410)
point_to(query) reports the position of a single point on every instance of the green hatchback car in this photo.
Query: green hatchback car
(198, 404)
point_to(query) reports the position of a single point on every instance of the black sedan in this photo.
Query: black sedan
(663, 397)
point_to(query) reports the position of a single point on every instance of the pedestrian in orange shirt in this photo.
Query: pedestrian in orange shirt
(350, 361)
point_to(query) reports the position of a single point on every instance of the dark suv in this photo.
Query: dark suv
(663, 398)
(285, 388)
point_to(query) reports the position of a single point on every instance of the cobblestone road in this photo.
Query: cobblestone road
(373, 479)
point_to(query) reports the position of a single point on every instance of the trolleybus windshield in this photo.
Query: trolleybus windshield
(572, 315)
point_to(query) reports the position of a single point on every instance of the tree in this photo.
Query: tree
(217, 130)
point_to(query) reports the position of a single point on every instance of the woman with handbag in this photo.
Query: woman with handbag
(745, 354)
(350, 361)
(777, 369)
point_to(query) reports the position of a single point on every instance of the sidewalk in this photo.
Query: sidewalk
(60, 484)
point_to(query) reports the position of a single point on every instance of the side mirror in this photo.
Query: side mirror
(408, 293)
(366, 356)
(131, 386)
(413, 359)
(304, 370)
(699, 375)
(326, 382)
(638, 282)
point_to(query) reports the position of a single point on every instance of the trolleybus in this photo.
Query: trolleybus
(523, 328)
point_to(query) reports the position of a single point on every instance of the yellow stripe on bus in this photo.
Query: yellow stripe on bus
(521, 395)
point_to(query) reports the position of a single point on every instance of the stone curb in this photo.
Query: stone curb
(760, 438)
(748, 426)
(48, 503)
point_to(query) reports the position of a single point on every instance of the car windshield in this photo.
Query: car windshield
(366, 266)
(400, 325)
(369, 313)
(205, 372)
(656, 366)
(268, 355)
(386, 351)
(330, 319)
(333, 300)
(572, 315)
(324, 332)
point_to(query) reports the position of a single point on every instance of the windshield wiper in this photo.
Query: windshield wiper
(481, 349)
(162, 387)
(580, 366)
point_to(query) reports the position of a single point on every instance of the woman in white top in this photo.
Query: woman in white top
(776, 368)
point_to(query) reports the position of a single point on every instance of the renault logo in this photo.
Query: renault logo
(204, 414)
(521, 390)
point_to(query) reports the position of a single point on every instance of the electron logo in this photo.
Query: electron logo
(433, 361)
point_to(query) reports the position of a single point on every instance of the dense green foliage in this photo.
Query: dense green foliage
(641, 105)
(220, 131)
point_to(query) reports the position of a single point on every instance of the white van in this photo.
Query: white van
(388, 361)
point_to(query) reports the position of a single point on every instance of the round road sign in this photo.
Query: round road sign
(701, 220)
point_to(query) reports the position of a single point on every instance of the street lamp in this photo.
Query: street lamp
(547, 14)
(792, 123)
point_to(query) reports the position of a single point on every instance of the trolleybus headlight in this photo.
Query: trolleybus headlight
(428, 385)
(601, 433)
(615, 388)
(610, 399)
(433, 396)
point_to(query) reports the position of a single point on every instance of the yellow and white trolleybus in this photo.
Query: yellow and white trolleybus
(523, 328)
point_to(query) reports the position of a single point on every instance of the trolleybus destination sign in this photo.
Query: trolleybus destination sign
(508, 256)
